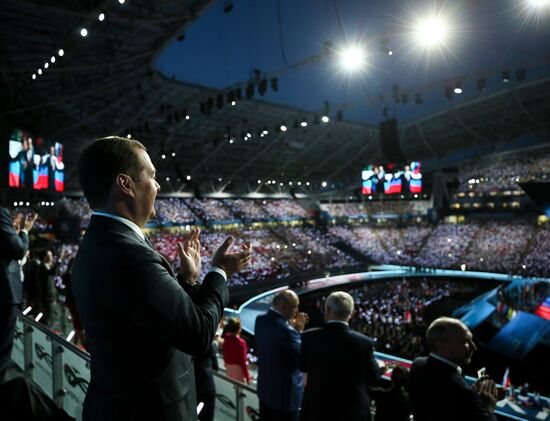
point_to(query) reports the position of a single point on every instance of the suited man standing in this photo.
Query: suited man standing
(142, 326)
(15, 244)
(278, 345)
(437, 388)
(340, 366)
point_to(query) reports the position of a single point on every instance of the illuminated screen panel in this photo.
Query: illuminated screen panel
(392, 179)
(35, 163)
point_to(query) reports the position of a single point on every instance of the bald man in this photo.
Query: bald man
(437, 389)
(278, 346)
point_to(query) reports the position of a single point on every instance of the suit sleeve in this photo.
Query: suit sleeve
(154, 300)
(475, 407)
(373, 369)
(293, 344)
(302, 358)
(14, 246)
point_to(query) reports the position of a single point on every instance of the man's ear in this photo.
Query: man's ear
(125, 184)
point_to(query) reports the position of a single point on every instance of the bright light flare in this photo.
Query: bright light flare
(431, 32)
(353, 58)
(539, 4)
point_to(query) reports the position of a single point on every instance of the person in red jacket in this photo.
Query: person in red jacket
(235, 352)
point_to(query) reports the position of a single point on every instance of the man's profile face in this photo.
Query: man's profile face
(146, 188)
(461, 346)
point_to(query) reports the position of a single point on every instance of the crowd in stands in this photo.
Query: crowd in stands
(392, 313)
(504, 174)
(173, 211)
(375, 207)
(284, 208)
(210, 209)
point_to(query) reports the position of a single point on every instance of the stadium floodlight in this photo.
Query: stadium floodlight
(83, 32)
(60, 53)
(101, 17)
(324, 184)
(303, 123)
(188, 178)
(259, 181)
(163, 156)
(458, 90)
(431, 32)
(539, 4)
(39, 71)
(352, 58)
(52, 59)
(121, 1)
(46, 65)
(33, 76)
(283, 128)
(325, 119)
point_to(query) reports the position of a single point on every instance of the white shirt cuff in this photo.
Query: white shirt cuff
(25, 231)
(220, 271)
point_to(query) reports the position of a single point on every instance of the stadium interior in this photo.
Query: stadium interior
(353, 148)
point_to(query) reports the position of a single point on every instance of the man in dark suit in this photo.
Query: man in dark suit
(437, 389)
(142, 326)
(278, 344)
(340, 366)
(14, 245)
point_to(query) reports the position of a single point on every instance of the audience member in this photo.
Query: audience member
(204, 366)
(340, 366)
(79, 338)
(14, 238)
(126, 292)
(235, 352)
(278, 343)
(437, 388)
(393, 404)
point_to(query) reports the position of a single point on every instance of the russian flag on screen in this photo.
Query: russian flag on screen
(392, 186)
(14, 180)
(41, 181)
(59, 181)
(367, 187)
(415, 185)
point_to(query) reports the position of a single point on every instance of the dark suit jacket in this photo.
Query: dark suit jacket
(340, 366)
(205, 365)
(141, 326)
(13, 247)
(280, 382)
(438, 391)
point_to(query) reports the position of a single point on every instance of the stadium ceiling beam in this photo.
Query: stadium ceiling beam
(526, 112)
(120, 16)
(292, 159)
(355, 157)
(425, 140)
(250, 161)
(87, 93)
(473, 102)
(342, 149)
(469, 130)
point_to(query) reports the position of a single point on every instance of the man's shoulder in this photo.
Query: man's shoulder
(312, 333)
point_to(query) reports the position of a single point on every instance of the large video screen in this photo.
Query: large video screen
(392, 179)
(35, 163)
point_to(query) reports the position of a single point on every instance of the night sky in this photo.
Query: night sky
(484, 37)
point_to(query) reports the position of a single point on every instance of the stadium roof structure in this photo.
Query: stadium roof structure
(108, 84)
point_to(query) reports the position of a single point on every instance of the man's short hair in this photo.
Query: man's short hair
(340, 304)
(441, 330)
(101, 161)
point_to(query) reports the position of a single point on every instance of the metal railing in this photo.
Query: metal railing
(62, 371)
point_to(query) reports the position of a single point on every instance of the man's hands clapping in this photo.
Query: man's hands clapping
(487, 391)
(300, 321)
(190, 256)
(231, 262)
(28, 221)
